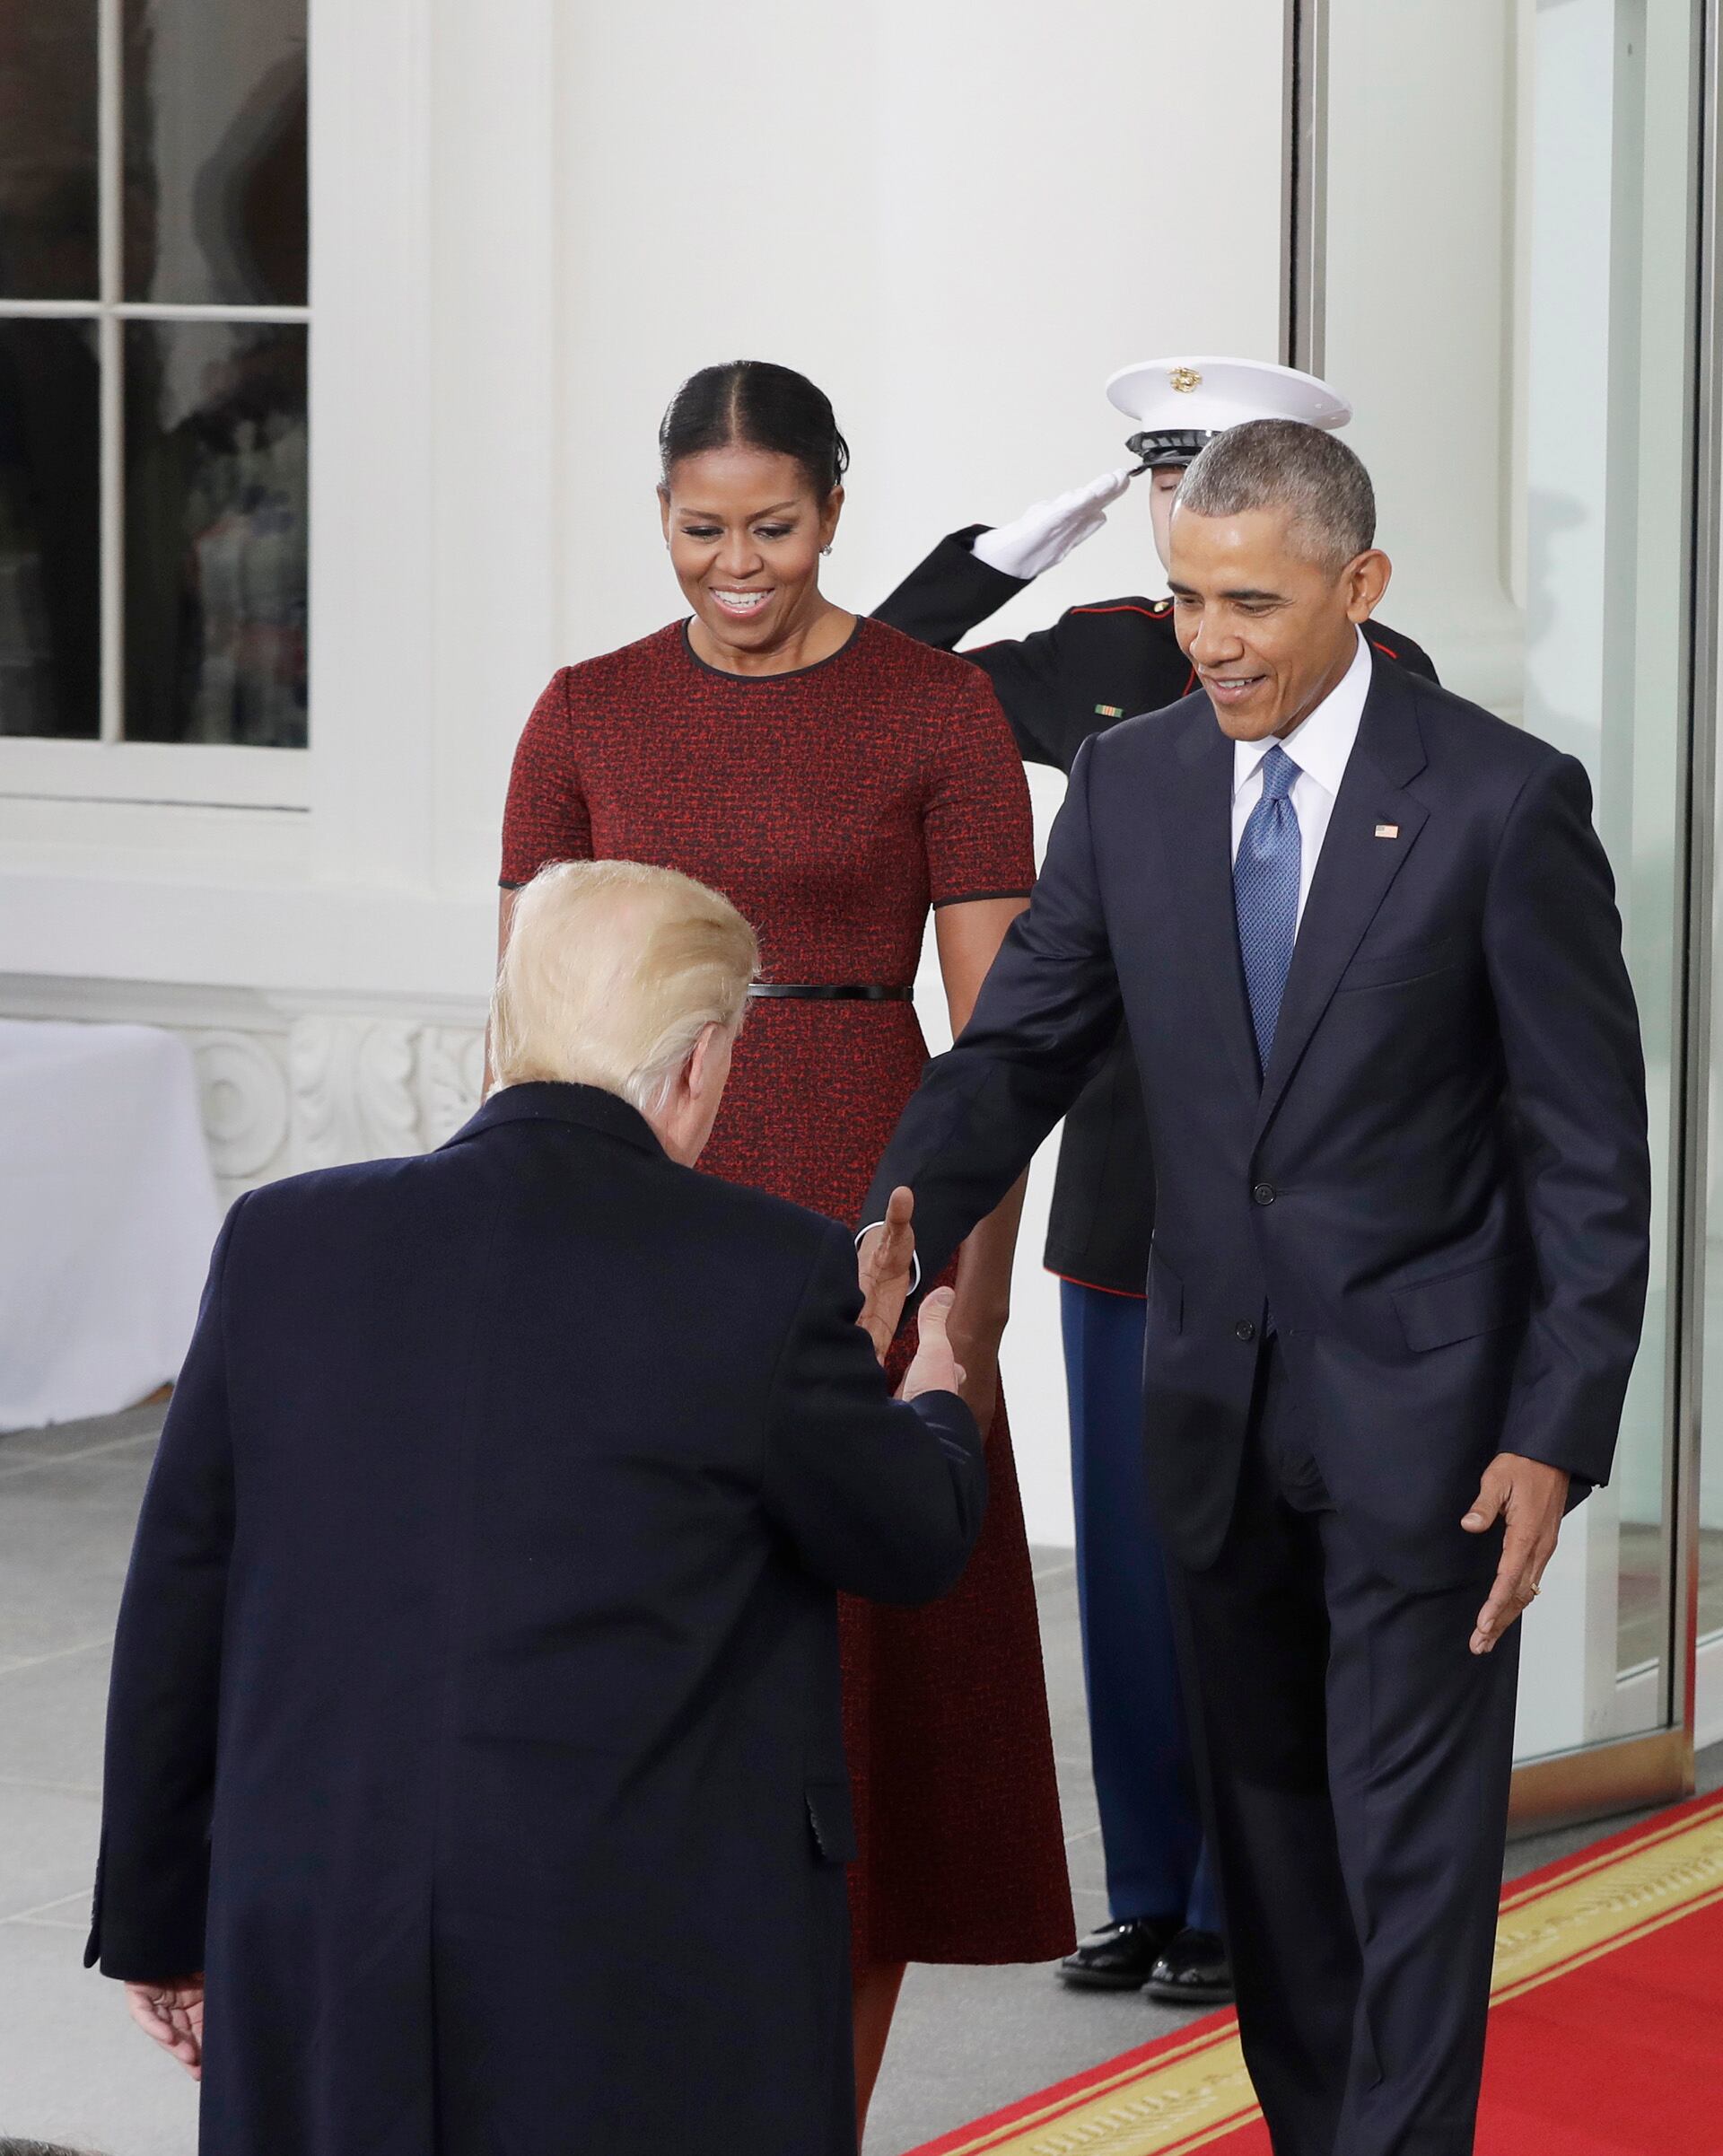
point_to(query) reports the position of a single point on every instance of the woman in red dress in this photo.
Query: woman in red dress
(835, 779)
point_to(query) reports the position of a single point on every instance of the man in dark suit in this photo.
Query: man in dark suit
(473, 1744)
(1365, 940)
(1097, 664)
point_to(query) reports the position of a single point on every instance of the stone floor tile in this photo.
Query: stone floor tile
(964, 2036)
(48, 1846)
(51, 1713)
(72, 2068)
(66, 1535)
(61, 1441)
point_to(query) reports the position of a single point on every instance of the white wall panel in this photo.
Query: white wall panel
(529, 225)
(959, 220)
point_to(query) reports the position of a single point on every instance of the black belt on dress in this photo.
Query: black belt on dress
(834, 991)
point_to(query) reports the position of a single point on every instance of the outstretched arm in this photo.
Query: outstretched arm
(879, 1497)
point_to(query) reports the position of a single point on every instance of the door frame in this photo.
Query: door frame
(1624, 1773)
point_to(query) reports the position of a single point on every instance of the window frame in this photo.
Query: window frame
(110, 767)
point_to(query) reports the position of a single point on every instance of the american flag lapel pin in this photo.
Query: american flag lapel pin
(1387, 830)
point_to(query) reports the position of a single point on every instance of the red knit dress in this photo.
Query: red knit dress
(833, 806)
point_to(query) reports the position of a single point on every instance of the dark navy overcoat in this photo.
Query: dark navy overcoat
(475, 1716)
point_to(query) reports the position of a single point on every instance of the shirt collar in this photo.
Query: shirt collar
(1322, 743)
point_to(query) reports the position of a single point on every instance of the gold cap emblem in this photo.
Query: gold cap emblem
(1185, 379)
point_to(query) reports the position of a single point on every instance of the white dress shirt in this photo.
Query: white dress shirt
(1320, 746)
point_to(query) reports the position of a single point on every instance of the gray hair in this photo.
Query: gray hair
(612, 972)
(1282, 464)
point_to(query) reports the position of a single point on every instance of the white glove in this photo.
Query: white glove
(1046, 532)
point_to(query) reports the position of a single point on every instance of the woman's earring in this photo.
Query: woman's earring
(826, 550)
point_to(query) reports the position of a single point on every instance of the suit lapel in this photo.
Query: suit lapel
(1353, 874)
(1199, 846)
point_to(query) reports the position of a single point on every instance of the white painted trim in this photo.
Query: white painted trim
(366, 863)
(1708, 1697)
(189, 1006)
(110, 393)
(168, 772)
(287, 1083)
(277, 934)
(146, 310)
(372, 487)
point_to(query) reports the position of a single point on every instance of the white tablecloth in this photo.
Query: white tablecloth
(108, 1210)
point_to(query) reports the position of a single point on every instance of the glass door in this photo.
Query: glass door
(1503, 282)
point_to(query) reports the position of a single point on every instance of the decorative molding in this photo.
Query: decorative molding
(366, 1088)
(244, 1087)
(291, 1086)
(452, 1079)
(354, 1091)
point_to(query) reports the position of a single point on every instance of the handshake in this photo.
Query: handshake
(885, 1262)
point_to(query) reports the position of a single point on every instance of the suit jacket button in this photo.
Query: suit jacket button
(1244, 1329)
(1263, 1194)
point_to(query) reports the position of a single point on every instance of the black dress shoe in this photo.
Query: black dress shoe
(1119, 1957)
(1193, 1970)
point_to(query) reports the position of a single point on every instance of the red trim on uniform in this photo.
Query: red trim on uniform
(1154, 613)
(1191, 684)
(1125, 1295)
(1387, 650)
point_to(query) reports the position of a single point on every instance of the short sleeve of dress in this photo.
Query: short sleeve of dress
(545, 818)
(976, 823)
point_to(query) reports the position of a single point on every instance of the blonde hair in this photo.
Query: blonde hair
(612, 972)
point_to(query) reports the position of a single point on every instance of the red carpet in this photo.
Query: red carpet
(1605, 2027)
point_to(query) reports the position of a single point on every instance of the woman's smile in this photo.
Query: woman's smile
(738, 601)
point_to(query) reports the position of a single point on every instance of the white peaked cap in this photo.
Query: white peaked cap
(1184, 395)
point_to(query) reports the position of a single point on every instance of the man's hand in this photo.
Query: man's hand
(936, 1368)
(172, 2015)
(1531, 1497)
(884, 1261)
(1046, 532)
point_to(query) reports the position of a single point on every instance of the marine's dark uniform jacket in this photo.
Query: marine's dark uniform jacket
(1096, 665)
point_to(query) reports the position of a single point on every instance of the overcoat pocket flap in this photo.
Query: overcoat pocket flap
(833, 1821)
(1435, 1313)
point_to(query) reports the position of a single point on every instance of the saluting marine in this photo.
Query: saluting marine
(1100, 663)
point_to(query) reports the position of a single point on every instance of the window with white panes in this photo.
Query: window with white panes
(154, 331)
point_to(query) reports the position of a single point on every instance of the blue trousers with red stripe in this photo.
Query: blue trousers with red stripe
(1144, 1785)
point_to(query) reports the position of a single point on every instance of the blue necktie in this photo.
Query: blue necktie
(1265, 892)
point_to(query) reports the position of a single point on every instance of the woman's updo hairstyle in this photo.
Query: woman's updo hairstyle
(752, 402)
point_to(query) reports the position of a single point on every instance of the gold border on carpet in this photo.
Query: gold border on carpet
(1189, 2097)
